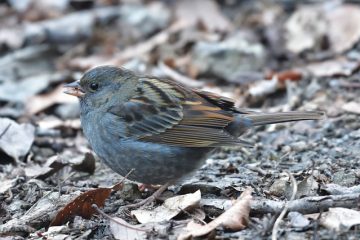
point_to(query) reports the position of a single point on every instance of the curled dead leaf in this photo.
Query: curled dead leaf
(234, 219)
(171, 207)
(82, 205)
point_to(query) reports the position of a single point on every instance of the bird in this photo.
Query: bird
(161, 129)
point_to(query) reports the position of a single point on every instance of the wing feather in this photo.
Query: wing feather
(164, 112)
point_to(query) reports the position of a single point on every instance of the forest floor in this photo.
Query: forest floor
(266, 55)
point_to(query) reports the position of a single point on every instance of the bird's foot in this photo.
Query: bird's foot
(148, 200)
(144, 187)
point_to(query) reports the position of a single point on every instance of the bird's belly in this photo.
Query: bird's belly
(152, 163)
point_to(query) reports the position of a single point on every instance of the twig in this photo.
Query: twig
(179, 77)
(256, 169)
(60, 184)
(286, 207)
(335, 189)
(97, 209)
(349, 84)
(5, 130)
(306, 205)
(118, 186)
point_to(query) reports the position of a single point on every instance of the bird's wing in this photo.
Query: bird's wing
(165, 112)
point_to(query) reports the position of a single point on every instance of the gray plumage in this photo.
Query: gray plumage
(160, 128)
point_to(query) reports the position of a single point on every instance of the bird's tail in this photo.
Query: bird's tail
(279, 117)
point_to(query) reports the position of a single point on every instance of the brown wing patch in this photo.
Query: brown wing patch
(202, 125)
(165, 112)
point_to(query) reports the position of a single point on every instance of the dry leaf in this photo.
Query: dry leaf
(39, 214)
(234, 219)
(305, 29)
(171, 207)
(264, 87)
(82, 205)
(122, 232)
(55, 232)
(6, 185)
(40, 171)
(86, 163)
(338, 218)
(15, 139)
(205, 12)
(334, 67)
(309, 26)
(344, 27)
(292, 75)
(352, 107)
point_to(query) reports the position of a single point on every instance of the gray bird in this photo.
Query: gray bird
(158, 127)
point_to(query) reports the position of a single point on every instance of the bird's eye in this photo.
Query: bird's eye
(94, 86)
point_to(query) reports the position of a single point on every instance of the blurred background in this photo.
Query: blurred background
(267, 55)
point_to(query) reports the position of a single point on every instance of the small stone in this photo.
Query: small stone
(299, 146)
(146, 19)
(68, 111)
(130, 192)
(279, 187)
(230, 58)
(307, 187)
(344, 178)
(297, 220)
(355, 134)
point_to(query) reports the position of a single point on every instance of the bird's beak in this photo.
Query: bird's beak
(74, 89)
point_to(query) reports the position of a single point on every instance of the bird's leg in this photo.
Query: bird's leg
(150, 199)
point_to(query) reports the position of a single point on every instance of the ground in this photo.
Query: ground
(266, 55)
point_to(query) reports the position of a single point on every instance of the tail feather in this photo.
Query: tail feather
(279, 117)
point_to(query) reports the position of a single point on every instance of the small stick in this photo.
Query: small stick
(117, 186)
(284, 211)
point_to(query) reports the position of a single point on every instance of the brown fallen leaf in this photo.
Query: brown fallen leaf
(292, 75)
(234, 219)
(82, 205)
